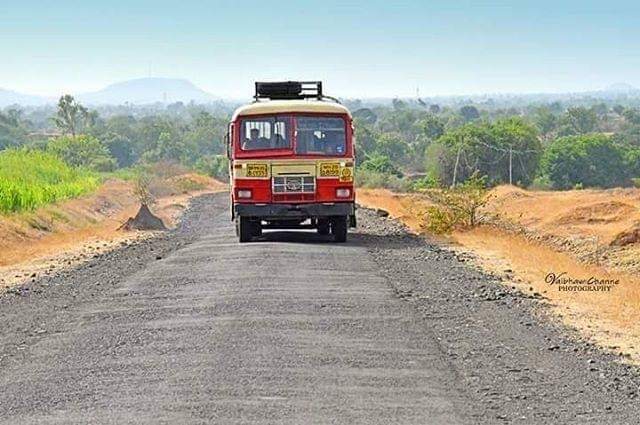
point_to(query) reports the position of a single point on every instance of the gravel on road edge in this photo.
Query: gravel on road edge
(517, 363)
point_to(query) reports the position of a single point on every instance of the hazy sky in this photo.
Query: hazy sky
(364, 48)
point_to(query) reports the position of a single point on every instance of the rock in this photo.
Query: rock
(382, 213)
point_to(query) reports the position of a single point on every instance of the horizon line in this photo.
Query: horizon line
(52, 97)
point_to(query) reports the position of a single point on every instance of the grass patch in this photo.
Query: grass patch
(374, 179)
(30, 179)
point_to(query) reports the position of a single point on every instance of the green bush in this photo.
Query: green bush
(426, 182)
(216, 166)
(82, 151)
(541, 183)
(372, 179)
(438, 220)
(397, 184)
(457, 206)
(632, 159)
(379, 163)
(29, 179)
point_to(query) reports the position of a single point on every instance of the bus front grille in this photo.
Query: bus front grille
(294, 184)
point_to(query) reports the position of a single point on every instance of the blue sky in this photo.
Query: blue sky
(360, 49)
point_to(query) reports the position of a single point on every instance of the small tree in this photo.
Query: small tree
(457, 206)
(82, 151)
(70, 115)
(141, 188)
(214, 165)
(144, 219)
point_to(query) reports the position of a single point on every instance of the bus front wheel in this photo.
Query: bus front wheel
(244, 229)
(323, 227)
(339, 226)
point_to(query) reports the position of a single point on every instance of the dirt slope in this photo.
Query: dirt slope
(583, 222)
(532, 234)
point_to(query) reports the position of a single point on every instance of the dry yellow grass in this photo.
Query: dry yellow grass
(611, 319)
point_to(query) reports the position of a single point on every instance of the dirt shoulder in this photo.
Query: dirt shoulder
(61, 235)
(530, 235)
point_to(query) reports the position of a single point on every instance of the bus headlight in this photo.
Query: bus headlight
(244, 193)
(343, 193)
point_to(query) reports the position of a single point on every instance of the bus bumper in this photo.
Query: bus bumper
(302, 211)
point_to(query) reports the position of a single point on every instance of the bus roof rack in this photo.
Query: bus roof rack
(289, 90)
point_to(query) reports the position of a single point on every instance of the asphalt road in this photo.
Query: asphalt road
(194, 328)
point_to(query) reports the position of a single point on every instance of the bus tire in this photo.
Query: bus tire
(323, 227)
(256, 229)
(339, 226)
(244, 229)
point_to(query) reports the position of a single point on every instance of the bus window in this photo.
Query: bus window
(320, 136)
(264, 133)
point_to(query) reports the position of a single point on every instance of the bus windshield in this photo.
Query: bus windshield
(265, 133)
(320, 136)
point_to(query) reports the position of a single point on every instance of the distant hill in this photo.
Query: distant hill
(144, 91)
(10, 97)
(147, 90)
(622, 88)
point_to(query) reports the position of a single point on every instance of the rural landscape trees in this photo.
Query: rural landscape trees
(404, 144)
(545, 146)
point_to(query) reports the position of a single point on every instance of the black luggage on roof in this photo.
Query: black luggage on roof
(289, 90)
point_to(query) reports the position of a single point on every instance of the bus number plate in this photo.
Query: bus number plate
(257, 170)
(329, 170)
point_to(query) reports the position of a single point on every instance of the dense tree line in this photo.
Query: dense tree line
(546, 146)
(185, 134)
(405, 143)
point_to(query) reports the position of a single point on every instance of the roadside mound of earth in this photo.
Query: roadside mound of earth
(601, 212)
(144, 220)
(505, 193)
(605, 212)
(596, 226)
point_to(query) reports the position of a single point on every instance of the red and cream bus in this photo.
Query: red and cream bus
(291, 162)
